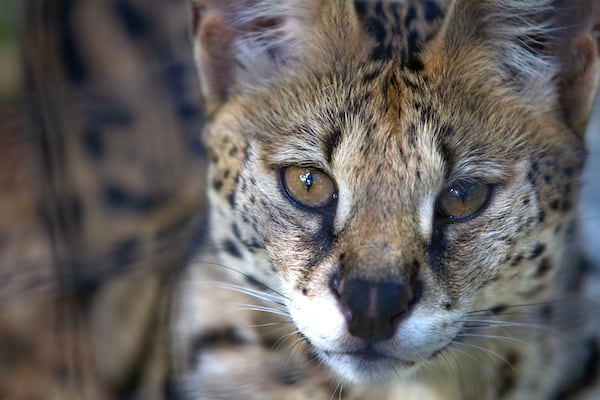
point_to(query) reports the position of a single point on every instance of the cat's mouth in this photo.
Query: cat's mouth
(366, 364)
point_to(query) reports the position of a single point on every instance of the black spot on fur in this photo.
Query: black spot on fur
(541, 216)
(537, 251)
(236, 231)
(554, 205)
(217, 184)
(547, 178)
(92, 139)
(75, 65)
(226, 336)
(543, 268)
(126, 253)
(411, 14)
(377, 30)
(134, 21)
(531, 178)
(231, 198)
(516, 260)
(117, 197)
(414, 63)
(568, 171)
(432, 11)
(506, 374)
(231, 248)
(535, 166)
(412, 60)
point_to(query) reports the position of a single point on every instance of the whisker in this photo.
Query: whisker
(473, 375)
(483, 323)
(489, 352)
(252, 307)
(280, 341)
(505, 339)
(245, 275)
(244, 290)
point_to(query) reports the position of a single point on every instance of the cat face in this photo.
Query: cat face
(390, 205)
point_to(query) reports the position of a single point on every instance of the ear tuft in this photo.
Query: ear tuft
(243, 45)
(544, 51)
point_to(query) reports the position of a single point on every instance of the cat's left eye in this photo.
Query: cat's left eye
(463, 200)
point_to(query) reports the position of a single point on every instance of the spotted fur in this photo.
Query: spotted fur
(395, 101)
(101, 174)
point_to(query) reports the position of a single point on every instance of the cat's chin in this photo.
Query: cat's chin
(367, 366)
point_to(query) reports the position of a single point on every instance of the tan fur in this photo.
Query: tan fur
(494, 97)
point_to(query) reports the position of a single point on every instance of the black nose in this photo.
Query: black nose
(373, 309)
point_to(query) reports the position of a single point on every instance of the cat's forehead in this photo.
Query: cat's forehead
(371, 112)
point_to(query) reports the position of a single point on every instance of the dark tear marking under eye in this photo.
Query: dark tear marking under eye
(322, 242)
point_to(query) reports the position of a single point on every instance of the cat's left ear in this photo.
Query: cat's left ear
(241, 46)
(544, 51)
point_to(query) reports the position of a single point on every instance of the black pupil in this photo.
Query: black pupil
(462, 192)
(307, 179)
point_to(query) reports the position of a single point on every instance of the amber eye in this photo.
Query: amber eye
(308, 186)
(463, 200)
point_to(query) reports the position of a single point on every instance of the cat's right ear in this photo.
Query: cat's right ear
(244, 45)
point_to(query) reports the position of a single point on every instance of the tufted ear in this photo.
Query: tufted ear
(247, 44)
(544, 51)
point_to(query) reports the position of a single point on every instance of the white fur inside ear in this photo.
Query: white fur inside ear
(514, 28)
(281, 28)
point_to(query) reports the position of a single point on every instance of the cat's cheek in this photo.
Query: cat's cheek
(319, 319)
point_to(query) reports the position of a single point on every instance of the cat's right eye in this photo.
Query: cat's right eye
(309, 187)
(463, 201)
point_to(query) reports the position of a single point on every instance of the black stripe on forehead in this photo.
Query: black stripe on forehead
(318, 140)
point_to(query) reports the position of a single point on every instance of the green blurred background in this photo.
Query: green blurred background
(10, 58)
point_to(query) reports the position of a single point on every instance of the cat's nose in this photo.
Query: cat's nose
(373, 309)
